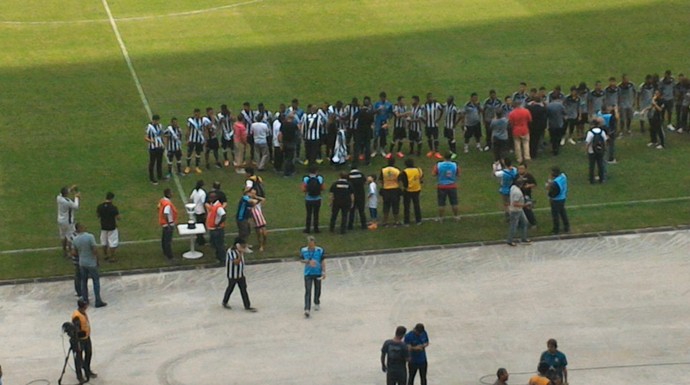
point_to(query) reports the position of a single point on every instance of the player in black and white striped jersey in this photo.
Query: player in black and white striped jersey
(349, 117)
(401, 113)
(433, 112)
(452, 118)
(155, 145)
(210, 122)
(313, 127)
(173, 146)
(226, 140)
(414, 125)
(195, 140)
(248, 116)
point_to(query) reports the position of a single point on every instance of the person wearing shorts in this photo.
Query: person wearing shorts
(226, 140)
(65, 215)
(473, 126)
(414, 121)
(109, 215)
(259, 219)
(195, 141)
(447, 172)
(400, 118)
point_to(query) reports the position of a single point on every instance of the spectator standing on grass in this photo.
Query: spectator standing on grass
(394, 358)
(446, 173)
(110, 237)
(685, 107)
(85, 246)
(499, 135)
(596, 149)
(215, 225)
(472, 121)
(198, 198)
(555, 359)
(66, 206)
(154, 138)
(645, 95)
(288, 138)
(167, 219)
(537, 127)
(234, 271)
(557, 190)
(275, 138)
(502, 377)
(312, 186)
(390, 191)
(596, 99)
(528, 183)
(507, 174)
(400, 114)
(411, 180)
(195, 141)
(313, 258)
(519, 120)
(555, 115)
(357, 181)
(173, 147)
(417, 341)
(517, 219)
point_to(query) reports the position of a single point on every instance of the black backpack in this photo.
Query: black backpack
(598, 142)
(313, 186)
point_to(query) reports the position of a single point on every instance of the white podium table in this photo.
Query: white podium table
(185, 231)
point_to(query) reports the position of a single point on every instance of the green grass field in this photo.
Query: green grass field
(71, 112)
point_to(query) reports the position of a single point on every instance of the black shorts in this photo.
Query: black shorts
(474, 130)
(174, 154)
(212, 144)
(431, 132)
(415, 136)
(449, 133)
(383, 133)
(195, 147)
(450, 193)
(399, 133)
(228, 143)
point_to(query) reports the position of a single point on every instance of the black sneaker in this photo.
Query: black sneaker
(251, 309)
(100, 304)
(225, 305)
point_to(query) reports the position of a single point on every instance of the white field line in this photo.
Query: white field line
(485, 214)
(137, 82)
(136, 18)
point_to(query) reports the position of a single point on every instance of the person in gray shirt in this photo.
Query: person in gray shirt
(473, 126)
(666, 85)
(644, 98)
(572, 113)
(394, 358)
(626, 100)
(555, 116)
(685, 106)
(491, 105)
(611, 93)
(84, 245)
(499, 135)
(596, 99)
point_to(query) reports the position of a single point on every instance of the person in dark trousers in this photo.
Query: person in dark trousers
(215, 225)
(154, 138)
(656, 118)
(234, 270)
(313, 258)
(288, 138)
(390, 191)
(596, 149)
(84, 350)
(167, 219)
(341, 198)
(417, 341)
(357, 181)
(537, 126)
(557, 189)
(528, 183)
(411, 179)
(312, 186)
(363, 133)
(394, 358)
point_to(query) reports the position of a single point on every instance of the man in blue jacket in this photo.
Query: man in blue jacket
(557, 189)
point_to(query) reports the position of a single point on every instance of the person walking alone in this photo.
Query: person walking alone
(313, 258)
(234, 271)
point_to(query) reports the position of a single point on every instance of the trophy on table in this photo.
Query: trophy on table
(191, 223)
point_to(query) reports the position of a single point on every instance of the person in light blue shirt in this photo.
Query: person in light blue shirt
(557, 188)
(507, 173)
(417, 340)
(384, 111)
(312, 257)
(84, 245)
(555, 359)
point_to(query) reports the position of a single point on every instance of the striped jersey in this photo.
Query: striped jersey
(196, 130)
(248, 117)
(399, 112)
(232, 270)
(432, 112)
(451, 113)
(154, 135)
(174, 136)
(350, 114)
(338, 116)
(416, 117)
(225, 126)
(313, 126)
(210, 124)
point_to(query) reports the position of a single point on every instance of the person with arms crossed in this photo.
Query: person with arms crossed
(198, 198)
(394, 358)
(313, 258)
(195, 141)
(234, 271)
(472, 121)
(84, 351)
(312, 186)
(110, 237)
(66, 207)
(154, 138)
(167, 219)
(260, 132)
(173, 147)
(84, 245)
(447, 173)
(417, 341)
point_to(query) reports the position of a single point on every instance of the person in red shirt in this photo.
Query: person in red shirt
(519, 120)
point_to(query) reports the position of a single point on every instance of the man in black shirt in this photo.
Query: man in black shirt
(357, 179)
(341, 198)
(364, 133)
(537, 126)
(108, 214)
(528, 182)
(288, 142)
(394, 357)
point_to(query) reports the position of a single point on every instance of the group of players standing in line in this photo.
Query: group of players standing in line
(343, 132)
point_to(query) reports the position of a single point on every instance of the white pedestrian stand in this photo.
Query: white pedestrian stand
(186, 231)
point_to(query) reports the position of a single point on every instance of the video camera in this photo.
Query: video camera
(71, 331)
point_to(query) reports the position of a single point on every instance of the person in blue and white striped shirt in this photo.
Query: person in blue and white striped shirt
(401, 113)
(154, 139)
(313, 127)
(195, 140)
(414, 125)
(173, 146)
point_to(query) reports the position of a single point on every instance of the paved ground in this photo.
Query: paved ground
(610, 302)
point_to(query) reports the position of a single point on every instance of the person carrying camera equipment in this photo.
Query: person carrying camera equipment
(84, 351)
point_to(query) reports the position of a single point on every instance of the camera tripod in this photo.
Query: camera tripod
(77, 367)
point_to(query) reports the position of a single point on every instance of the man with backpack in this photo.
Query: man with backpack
(596, 149)
(312, 186)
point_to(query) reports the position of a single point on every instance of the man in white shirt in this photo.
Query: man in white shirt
(65, 215)
(277, 152)
(596, 149)
(198, 197)
(260, 132)
(517, 218)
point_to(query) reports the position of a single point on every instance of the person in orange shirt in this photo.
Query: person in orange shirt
(167, 218)
(84, 350)
(540, 378)
(519, 119)
(215, 224)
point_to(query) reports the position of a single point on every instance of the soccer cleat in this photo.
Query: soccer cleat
(429, 154)
(306, 162)
(670, 127)
(187, 170)
(383, 153)
(562, 141)
(612, 161)
(571, 141)
(154, 182)
(650, 144)
(226, 163)
(400, 155)
(479, 147)
(659, 147)
(466, 149)
(453, 156)
(438, 156)
(198, 170)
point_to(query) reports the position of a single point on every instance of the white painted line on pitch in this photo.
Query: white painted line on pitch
(140, 89)
(475, 215)
(134, 18)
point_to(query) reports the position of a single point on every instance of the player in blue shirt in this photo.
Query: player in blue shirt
(314, 272)
(384, 111)
(555, 359)
(417, 341)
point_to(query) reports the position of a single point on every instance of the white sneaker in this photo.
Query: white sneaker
(680, 130)
(373, 154)
(479, 147)
(306, 313)
(650, 144)
(466, 150)
(317, 307)
(659, 147)
(486, 148)
(383, 153)
(562, 141)
(572, 141)
(612, 161)
(670, 127)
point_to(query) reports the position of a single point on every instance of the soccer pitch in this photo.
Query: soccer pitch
(72, 113)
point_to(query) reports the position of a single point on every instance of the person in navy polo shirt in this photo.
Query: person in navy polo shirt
(417, 341)
(314, 272)
(555, 359)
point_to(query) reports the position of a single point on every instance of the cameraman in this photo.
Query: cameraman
(83, 349)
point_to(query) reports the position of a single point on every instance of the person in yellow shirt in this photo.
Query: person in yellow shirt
(540, 378)
(411, 180)
(84, 351)
(390, 191)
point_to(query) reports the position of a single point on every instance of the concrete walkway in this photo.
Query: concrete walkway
(619, 307)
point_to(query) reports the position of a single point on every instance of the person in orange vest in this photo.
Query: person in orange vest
(390, 191)
(167, 218)
(84, 350)
(215, 224)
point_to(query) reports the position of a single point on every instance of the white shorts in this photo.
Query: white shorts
(65, 230)
(110, 238)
